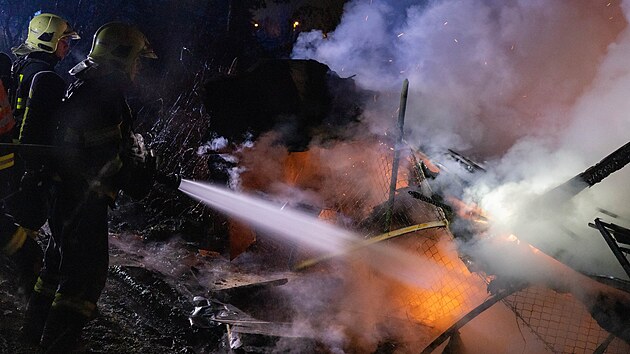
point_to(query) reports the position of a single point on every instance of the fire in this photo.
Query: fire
(297, 165)
(432, 167)
(513, 238)
(441, 304)
(454, 292)
(350, 180)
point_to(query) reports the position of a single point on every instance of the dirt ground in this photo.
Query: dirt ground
(139, 312)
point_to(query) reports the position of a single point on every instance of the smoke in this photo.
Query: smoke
(165, 258)
(347, 176)
(483, 74)
(535, 89)
(352, 312)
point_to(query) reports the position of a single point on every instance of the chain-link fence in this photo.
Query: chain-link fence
(562, 323)
(452, 292)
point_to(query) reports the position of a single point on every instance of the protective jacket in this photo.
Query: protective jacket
(34, 93)
(94, 130)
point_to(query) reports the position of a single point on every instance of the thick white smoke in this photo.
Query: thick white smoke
(535, 88)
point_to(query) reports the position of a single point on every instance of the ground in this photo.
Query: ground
(139, 312)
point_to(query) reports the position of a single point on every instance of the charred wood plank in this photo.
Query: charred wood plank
(591, 176)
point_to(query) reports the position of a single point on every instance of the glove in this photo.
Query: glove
(137, 174)
(29, 205)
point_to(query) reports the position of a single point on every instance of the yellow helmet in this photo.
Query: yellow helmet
(119, 45)
(44, 32)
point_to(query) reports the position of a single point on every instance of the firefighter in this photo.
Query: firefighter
(46, 44)
(95, 124)
(34, 91)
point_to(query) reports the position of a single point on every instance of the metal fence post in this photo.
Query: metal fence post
(397, 148)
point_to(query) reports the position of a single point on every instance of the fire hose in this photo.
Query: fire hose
(366, 243)
(144, 170)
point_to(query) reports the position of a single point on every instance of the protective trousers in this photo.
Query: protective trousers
(76, 260)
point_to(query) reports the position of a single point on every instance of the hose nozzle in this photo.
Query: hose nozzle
(171, 180)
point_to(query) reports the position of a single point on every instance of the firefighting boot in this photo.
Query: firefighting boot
(62, 330)
(37, 313)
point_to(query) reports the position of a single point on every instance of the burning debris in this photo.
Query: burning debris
(379, 301)
(343, 183)
(453, 290)
(446, 293)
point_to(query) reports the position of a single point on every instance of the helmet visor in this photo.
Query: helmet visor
(70, 33)
(147, 51)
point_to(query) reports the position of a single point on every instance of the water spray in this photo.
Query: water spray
(296, 227)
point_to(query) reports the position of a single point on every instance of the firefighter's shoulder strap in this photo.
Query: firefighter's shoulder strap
(22, 73)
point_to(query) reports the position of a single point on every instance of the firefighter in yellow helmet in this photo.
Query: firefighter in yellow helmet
(34, 91)
(95, 122)
(47, 42)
